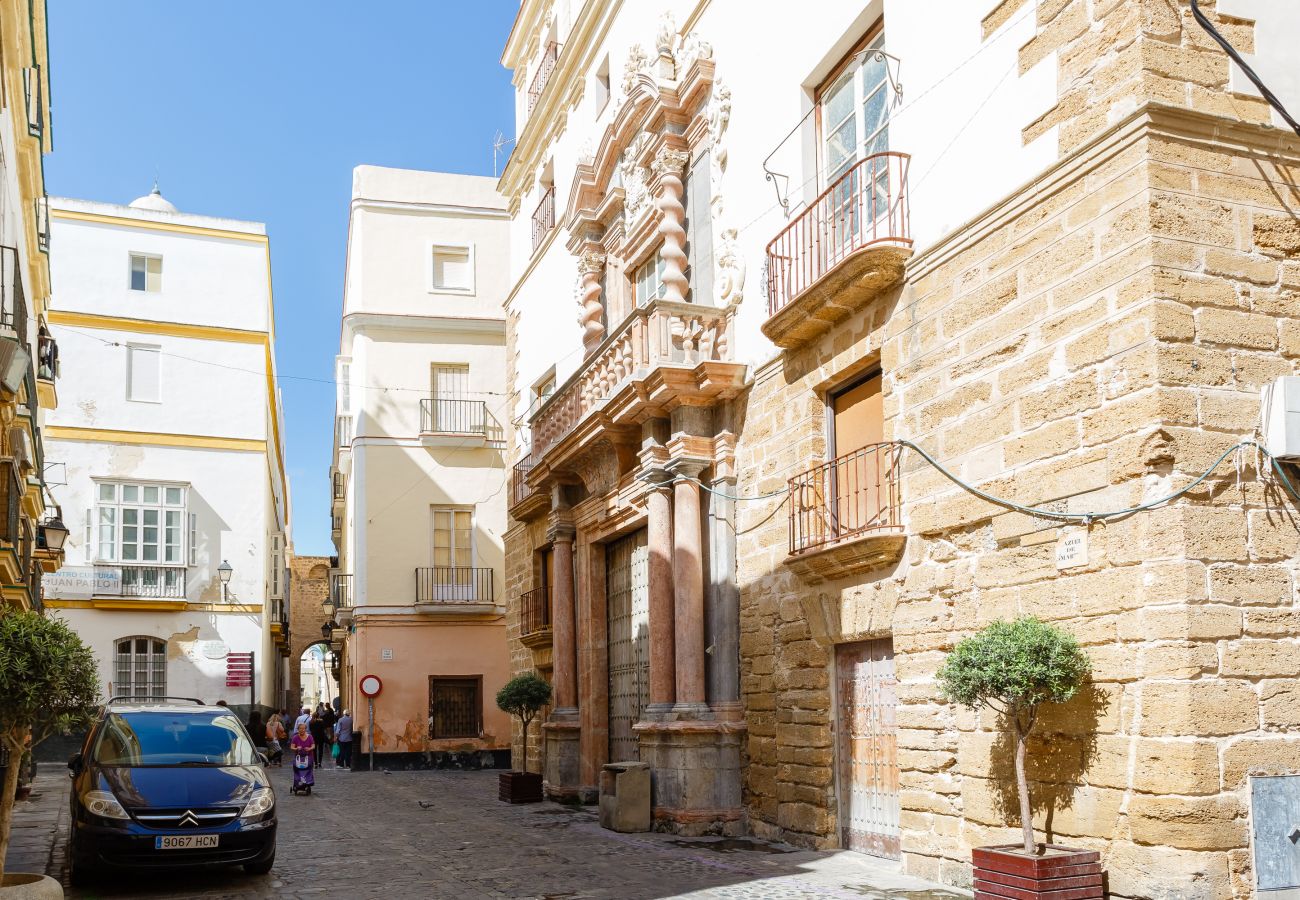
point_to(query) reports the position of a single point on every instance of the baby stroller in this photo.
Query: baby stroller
(303, 776)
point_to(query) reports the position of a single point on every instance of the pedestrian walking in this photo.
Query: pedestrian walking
(343, 734)
(303, 749)
(330, 718)
(275, 735)
(316, 725)
(303, 719)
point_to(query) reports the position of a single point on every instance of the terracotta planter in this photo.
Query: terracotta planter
(22, 886)
(1057, 873)
(520, 787)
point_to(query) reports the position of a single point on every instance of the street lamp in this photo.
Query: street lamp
(327, 606)
(55, 533)
(327, 629)
(224, 571)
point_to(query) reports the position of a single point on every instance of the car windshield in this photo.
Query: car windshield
(171, 737)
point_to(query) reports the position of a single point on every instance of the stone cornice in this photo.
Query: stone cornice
(356, 322)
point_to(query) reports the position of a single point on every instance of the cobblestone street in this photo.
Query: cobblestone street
(445, 835)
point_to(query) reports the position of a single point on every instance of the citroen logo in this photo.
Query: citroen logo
(188, 820)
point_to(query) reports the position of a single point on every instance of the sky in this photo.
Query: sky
(260, 111)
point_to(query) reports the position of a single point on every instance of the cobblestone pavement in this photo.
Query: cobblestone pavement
(445, 836)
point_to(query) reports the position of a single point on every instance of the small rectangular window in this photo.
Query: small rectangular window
(194, 539)
(143, 373)
(649, 280)
(146, 273)
(455, 707)
(602, 85)
(453, 269)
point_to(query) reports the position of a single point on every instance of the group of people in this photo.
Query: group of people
(317, 735)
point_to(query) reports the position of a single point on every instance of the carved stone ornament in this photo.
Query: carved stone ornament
(638, 61)
(666, 36)
(668, 166)
(671, 161)
(731, 269)
(634, 177)
(719, 113)
(692, 47)
(590, 265)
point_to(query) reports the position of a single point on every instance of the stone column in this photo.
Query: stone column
(591, 311)
(688, 589)
(563, 625)
(723, 640)
(668, 167)
(660, 538)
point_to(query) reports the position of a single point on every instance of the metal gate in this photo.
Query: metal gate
(867, 747)
(627, 570)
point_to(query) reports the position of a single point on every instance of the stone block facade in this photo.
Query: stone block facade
(1094, 342)
(308, 586)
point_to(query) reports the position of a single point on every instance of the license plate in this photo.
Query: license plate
(186, 842)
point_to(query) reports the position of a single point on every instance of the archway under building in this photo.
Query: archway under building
(318, 676)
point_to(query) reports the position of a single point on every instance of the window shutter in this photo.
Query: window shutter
(194, 539)
(90, 535)
(144, 376)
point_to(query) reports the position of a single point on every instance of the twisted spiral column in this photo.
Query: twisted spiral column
(590, 265)
(668, 166)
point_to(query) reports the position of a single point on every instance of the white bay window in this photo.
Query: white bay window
(147, 530)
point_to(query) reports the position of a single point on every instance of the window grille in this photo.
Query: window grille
(454, 707)
(141, 667)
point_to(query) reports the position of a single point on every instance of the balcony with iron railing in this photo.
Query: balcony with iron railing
(339, 483)
(343, 431)
(545, 66)
(453, 584)
(847, 247)
(458, 421)
(535, 618)
(544, 217)
(846, 514)
(341, 591)
(526, 501)
(665, 354)
(153, 582)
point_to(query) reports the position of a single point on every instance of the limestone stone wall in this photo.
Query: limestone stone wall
(520, 575)
(1093, 343)
(309, 586)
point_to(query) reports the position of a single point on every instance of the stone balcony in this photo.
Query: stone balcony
(846, 514)
(666, 354)
(847, 247)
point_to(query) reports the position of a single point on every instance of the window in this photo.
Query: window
(601, 93)
(277, 565)
(649, 280)
(855, 104)
(699, 233)
(146, 273)
(344, 380)
(453, 269)
(453, 538)
(455, 707)
(144, 373)
(141, 668)
(544, 388)
(140, 523)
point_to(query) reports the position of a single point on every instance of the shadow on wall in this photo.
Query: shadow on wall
(1062, 747)
(207, 552)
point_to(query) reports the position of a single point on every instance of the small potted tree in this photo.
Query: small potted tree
(523, 696)
(48, 685)
(1014, 668)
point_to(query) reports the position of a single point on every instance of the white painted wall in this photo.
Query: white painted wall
(1277, 33)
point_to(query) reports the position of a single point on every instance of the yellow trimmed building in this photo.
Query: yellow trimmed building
(168, 451)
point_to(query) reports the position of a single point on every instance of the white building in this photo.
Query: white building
(169, 436)
(418, 477)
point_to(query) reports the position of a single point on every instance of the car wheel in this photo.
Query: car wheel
(261, 867)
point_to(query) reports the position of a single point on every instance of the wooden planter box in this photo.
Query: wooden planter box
(520, 787)
(1058, 873)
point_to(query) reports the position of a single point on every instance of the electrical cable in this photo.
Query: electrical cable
(1269, 96)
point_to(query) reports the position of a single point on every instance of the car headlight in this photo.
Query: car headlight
(261, 803)
(103, 804)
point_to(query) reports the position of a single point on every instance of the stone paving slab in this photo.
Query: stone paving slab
(445, 836)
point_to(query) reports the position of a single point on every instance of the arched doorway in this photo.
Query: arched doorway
(318, 675)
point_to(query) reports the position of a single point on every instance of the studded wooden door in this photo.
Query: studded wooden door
(627, 567)
(867, 747)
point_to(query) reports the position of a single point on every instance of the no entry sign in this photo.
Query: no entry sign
(371, 685)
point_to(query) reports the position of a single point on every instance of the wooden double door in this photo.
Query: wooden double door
(627, 593)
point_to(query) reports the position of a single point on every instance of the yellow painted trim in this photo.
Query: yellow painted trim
(152, 438)
(241, 608)
(158, 226)
(127, 603)
(144, 326)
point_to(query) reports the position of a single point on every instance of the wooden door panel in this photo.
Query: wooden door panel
(867, 747)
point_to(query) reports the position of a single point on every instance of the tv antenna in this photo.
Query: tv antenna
(499, 143)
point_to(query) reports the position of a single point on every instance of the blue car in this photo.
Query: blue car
(169, 782)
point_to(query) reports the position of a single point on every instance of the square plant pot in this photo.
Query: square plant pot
(520, 787)
(1006, 872)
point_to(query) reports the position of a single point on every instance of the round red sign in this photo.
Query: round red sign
(371, 685)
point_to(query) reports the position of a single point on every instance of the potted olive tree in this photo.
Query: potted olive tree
(48, 685)
(523, 696)
(1014, 668)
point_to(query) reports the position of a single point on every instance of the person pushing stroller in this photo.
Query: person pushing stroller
(303, 746)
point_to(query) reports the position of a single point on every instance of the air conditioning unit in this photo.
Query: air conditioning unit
(1279, 417)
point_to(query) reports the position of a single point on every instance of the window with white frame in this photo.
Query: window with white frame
(140, 668)
(453, 269)
(649, 280)
(144, 373)
(141, 524)
(854, 105)
(277, 566)
(453, 538)
(146, 273)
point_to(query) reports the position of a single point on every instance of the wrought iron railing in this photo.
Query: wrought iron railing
(852, 495)
(441, 415)
(340, 486)
(13, 303)
(866, 205)
(660, 333)
(453, 584)
(519, 487)
(534, 612)
(341, 591)
(544, 217)
(550, 55)
(158, 582)
(336, 523)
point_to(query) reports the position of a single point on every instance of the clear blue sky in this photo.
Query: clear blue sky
(260, 110)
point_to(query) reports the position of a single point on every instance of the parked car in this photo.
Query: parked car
(169, 782)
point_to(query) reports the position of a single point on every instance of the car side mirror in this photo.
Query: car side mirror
(74, 764)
